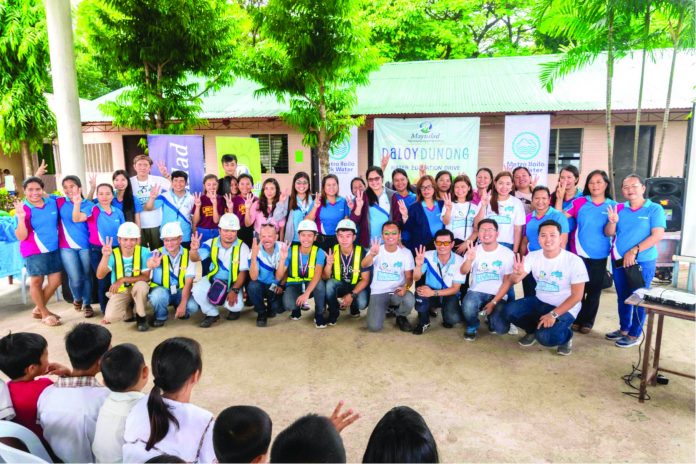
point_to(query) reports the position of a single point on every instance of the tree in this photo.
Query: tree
(25, 118)
(169, 53)
(313, 53)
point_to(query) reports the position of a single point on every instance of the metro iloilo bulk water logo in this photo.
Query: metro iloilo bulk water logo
(526, 145)
(340, 151)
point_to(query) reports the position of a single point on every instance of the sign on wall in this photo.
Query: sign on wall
(449, 144)
(343, 162)
(248, 156)
(527, 144)
(179, 153)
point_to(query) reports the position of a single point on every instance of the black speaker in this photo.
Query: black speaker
(669, 193)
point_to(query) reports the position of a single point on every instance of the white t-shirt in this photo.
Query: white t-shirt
(7, 412)
(389, 268)
(489, 268)
(108, 437)
(450, 273)
(462, 219)
(555, 276)
(510, 214)
(141, 192)
(195, 430)
(10, 183)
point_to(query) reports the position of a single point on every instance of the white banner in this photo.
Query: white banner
(527, 144)
(441, 144)
(343, 161)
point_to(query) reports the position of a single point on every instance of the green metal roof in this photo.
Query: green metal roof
(474, 86)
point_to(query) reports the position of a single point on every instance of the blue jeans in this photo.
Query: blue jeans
(95, 255)
(631, 317)
(525, 314)
(77, 264)
(160, 298)
(511, 292)
(293, 291)
(473, 302)
(450, 308)
(258, 291)
(336, 289)
(207, 234)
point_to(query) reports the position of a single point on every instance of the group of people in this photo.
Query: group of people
(446, 244)
(79, 420)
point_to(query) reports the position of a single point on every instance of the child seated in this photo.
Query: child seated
(68, 409)
(6, 410)
(242, 434)
(310, 438)
(401, 436)
(125, 374)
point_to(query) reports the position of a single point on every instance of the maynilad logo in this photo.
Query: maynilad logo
(425, 132)
(425, 127)
(340, 151)
(526, 145)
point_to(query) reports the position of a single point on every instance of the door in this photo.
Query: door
(623, 154)
(132, 148)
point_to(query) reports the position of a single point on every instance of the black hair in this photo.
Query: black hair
(539, 188)
(246, 176)
(181, 174)
(32, 180)
(74, 179)
(391, 223)
(362, 181)
(86, 343)
(310, 438)
(463, 178)
(128, 199)
(165, 458)
(487, 221)
(403, 173)
(121, 367)
(446, 232)
(174, 361)
(571, 169)
(605, 178)
(228, 158)
(241, 433)
(19, 351)
(549, 222)
(490, 174)
(633, 176)
(210, 176)
(371, 196)
(6, 171)
(437, 176)
(323, 185)
(292, 201)
(520, 167)
(109, 186)
(263, 201)
(401, 436)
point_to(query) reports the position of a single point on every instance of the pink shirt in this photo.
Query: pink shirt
(259, 219)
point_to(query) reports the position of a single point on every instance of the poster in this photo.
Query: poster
(449, 144)
(179, 153)
(248, 156)
(343, 162)
(527, 144)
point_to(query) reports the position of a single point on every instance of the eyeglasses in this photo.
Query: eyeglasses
(441, 243)
(373, 179)
(631, 187)
(386, 232)
(302, 182)
(427, 187)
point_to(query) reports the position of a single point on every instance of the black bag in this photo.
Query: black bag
(607, 280)
(634, 276)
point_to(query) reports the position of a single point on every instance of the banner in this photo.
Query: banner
(179, 153)
(248, 154)
(343, 161)
(449, 144)
(527, 144)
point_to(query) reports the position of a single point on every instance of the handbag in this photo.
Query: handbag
(607, 280)
(217, 292)
(634, 276)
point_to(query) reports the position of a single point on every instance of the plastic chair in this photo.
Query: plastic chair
(37, 452)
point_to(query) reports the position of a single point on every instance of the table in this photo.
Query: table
(649, 373)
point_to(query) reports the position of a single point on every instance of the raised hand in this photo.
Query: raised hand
(196, 241)
(486, 198)
(155, 191)
(535, 181)
(93, 181)
(374, 246)
(162, 168)
(422, 170)
(341, 420)
(155, 260)
(283, 252)
(613, 214)
(42, 169)
(403, 209)
(255, 247)
(350, 203)
(384, 161)
(77, 196)
(462, 248)
(420, 256)
(330, 258)
(447, 198)
(20, 214)
(284, 195)
(560, 188)
(317, 201)
(359, 201)
(228, 202)
(197, 199)
(248, 201)
(471, 252)
(518, 267)
(107, 248)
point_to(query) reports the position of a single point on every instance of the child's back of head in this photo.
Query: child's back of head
(20, 351)
(122, 368)
(242, 434)
(401, 436)
(311, 438)
(86, 343)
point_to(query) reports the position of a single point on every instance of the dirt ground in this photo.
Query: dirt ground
(487, 401)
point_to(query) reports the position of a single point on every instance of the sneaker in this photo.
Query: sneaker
(142, 324)
(185, 317)
(433, 313)
(270, 314)
(233, 316)
(295, 315)
(527, 340)
(615, 335)
(305, 306)
(627, 342)
(403, 324)
(470, 336)
(354, 312)
(158, 322)
(447, 325)
(420, 330)
(575, 327)
(513, 330)
(320, 326)
(261, 321)
(391, 311)
(566, 348)
(208, 321)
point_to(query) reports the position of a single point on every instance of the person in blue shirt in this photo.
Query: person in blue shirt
(264, 259)
(541, 212)
(377, 204)
(424, 217)
(176, 205)
(637, 226)
(329, 208)
(404, 193)
(123, 198)
(566, 192)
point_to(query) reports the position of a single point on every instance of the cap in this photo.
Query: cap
(128, 230)
(307, 225)
(229, 221)
(171, 230)
(346, 224)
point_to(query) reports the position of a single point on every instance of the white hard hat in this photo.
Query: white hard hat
(307, 225)
(346, 224)
(128, 230)
(171, 230)
(229, 221)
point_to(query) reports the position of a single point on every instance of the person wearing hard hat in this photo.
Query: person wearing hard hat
(302, 265)
(222, 286)
(343, 274)
(127, 264)
(265, 256)
(172, 276)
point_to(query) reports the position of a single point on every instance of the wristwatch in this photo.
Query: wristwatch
(554, 314)
(352, 294)
(236, 290)
(437, 292)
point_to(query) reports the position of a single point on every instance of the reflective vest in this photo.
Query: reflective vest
(183, 264)
(294, 274)
(118, 261)
(234, 265)
(338, 261)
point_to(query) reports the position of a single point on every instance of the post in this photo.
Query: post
(66, 106)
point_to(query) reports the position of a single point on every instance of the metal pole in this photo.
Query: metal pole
(67, 105)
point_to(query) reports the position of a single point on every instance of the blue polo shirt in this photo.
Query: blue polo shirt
(304, 263)
(531, 230)
(267, 264)
(634, 226)
(449, 273)
(137, 206)
(434, 217)
(589, 240)
(331, 214)
(72, 234)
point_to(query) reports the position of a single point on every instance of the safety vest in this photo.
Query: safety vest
(356, 263)
(234, 268)
(294, 274)
(118, 260)
(183, 264)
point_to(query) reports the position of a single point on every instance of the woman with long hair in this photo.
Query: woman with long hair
(424, 217)
(123, 197)
(264, 211)
(404, 193)
(443, 182)
(299, 203)
(484, 184)
(460, 217)
(374, 209)
(328, 209)
(524, 184)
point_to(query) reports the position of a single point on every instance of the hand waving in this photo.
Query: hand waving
(20, 214)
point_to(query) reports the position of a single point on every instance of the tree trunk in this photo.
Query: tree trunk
(636, 135)
(27, 164)
(323, 144)
(610, 77)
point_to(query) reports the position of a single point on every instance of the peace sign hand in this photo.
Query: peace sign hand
(471, 253)
(350, 203)
(283, 252)
(77, 196)
(20, 214)
(359, 201)
(196, 241)
(330, 258)
(422, 170)
(374, 246)
(197, 199)
(106, 248)
(284, 195)
(317, 201)
(448, 200)
(518, 267)
(403, 209)
(486, 198)
(420, 256)
(384, 161)
(93, 181)
(155, 260)
(613, 214)
(560, 188)
(42, 169)
(255, 247)
(154, 191)
(228, 202)
(535, 181)
(162, 168)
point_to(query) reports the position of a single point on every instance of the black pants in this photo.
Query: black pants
(529, 285)
(596, 270)
(326, 242)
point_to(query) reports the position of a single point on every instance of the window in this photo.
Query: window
(565, 148)
(97, 157)
(274, 153)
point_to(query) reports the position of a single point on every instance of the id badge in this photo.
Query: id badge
(304, 287)
(172, 289)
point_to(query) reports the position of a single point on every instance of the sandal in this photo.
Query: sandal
(36, 314)
(89, 312)
(50, 321)
(77, 305)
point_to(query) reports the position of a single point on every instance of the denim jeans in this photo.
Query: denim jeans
(293, 291)
(631, 317)
(95, 256)
(511, 292)
(258, 291)
(525, 314)
(450, 308)
(336, 289)
(207, 234)
(160, 298)
(77, 264)
(473, 302)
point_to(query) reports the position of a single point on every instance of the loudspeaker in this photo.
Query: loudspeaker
(669, 193)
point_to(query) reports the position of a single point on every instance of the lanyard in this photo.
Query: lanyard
(304, 206)
(304, 267)
(178, 204)
(346, 263)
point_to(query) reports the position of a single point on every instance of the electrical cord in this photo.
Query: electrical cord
(636, 371)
